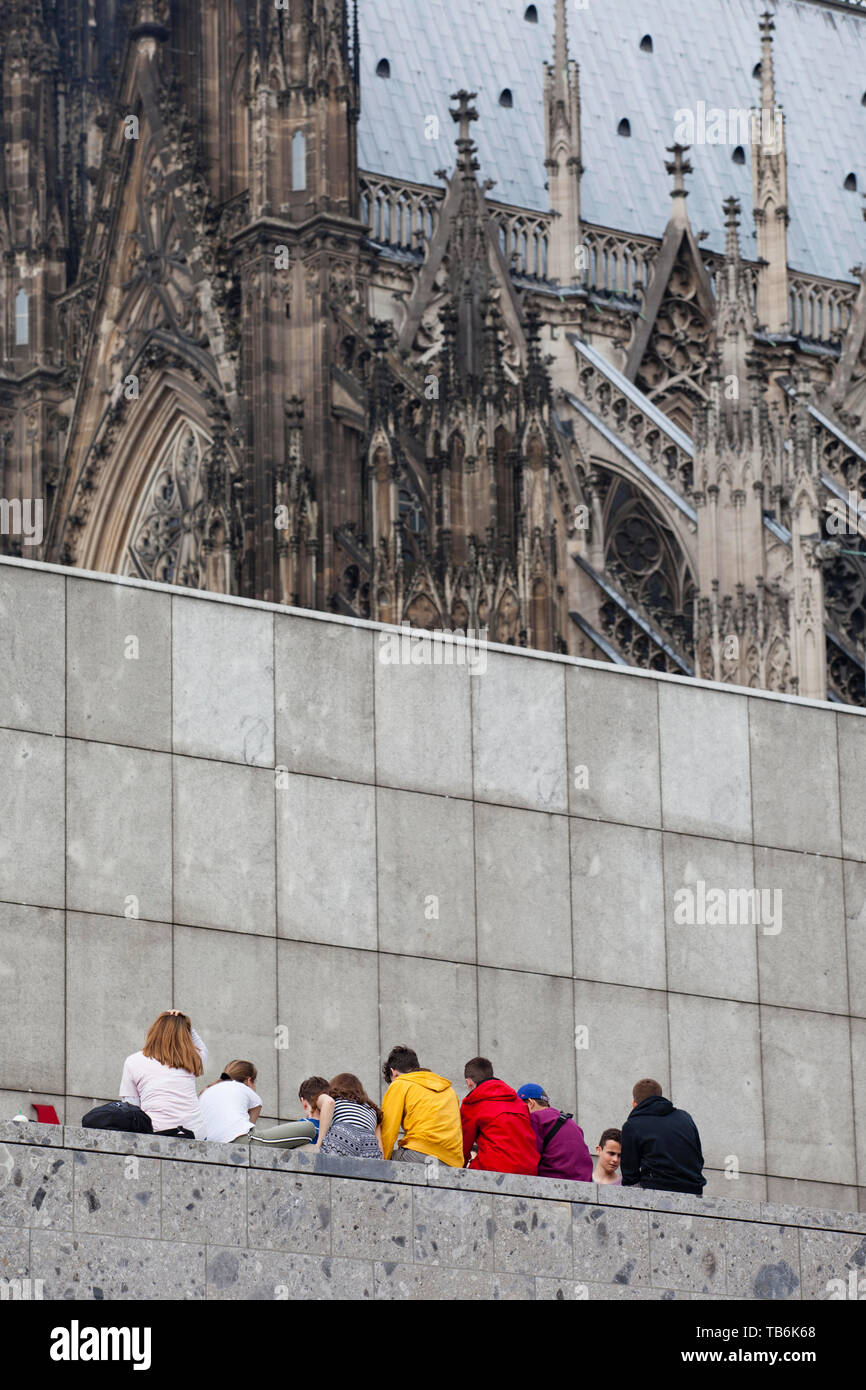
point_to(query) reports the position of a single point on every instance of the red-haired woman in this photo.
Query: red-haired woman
(350, 1123)
(161, 1077)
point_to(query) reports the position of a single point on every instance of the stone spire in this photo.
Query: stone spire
(770, 194)
(734, 319)
(562, 161)
(678, 167)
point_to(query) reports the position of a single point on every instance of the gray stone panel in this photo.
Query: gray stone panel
(453, 1228)
(705, 762)
(15, 1254)
(762, 1261)
(627, 1293)
(533, 1237)
(812, 930)
(82, 1268)
(518, 733)
(117, 959)
(858, 1070)
(328, 1003)
(155, 1146)
(432, 1006)
(118, 643)
(813, 1218)
(716, 1077)
(617, 904)
(854, 883)
(541, 1048)
(32, 998)
(806, 1064)
(31, 636)
(687, 1253)
(735, 1185)
(31, 795)
(426, 875)
(851, 732)
(224, 846)
(35, 1187)
(324, 698)
(223, 681)
(795, 782)
(613, 734)
(795, 1193)
(204, 1202)
(627, 1038)
(827, 1261)
(610, 1246)
(264, 1275)
(11, 1131)
(118, 830)
(371, 1220)
(711, 924)
(326, 861)
(416, 1283)
(289, 1211)
(116, 1194)
(524, 900)
(227, 984)
(681, 1203)
(423, 729)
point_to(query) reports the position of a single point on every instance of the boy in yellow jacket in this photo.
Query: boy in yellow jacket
(425, 1106)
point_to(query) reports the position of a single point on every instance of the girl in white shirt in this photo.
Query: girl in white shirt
(230, 1106)
(161, 1077)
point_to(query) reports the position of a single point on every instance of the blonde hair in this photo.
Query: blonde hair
(235, 1071)
(169, 1040)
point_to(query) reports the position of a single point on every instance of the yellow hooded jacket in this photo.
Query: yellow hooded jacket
(427, 1107)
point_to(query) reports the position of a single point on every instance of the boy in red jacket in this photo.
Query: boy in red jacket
(497, 1122)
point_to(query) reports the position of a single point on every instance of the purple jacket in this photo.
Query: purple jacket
(566, 1155)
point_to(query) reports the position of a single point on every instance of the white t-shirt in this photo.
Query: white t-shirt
(166, 1094)
(225, 1110)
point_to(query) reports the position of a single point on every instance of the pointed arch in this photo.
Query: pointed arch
(171, 407)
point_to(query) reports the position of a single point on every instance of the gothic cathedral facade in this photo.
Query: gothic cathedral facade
(232, 359)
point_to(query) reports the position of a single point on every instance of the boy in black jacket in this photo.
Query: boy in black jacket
(661, 1147)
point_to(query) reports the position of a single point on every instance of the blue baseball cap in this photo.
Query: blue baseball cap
(532, 1091)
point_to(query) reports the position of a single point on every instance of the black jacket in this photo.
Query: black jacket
(661, 1148)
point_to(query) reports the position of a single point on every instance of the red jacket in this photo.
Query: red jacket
(494, 1117)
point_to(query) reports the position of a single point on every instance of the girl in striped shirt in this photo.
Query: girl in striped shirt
(350, 1123)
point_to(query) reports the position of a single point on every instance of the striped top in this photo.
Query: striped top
(347, 1112)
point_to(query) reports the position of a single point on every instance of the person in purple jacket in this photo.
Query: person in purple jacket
(561, 1146)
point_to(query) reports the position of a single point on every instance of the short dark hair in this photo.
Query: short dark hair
(478, 1069)
(400, 1058)
(312, 1088)
(613, 1134)
(642, 1090)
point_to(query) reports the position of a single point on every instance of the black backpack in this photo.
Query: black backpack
(118, 1114)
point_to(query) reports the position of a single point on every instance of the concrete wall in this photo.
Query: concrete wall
(291, 910)
(98, 1215)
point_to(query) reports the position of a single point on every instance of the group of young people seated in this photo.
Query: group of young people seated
(420, 1120)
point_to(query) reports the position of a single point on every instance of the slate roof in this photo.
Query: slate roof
(702, 50)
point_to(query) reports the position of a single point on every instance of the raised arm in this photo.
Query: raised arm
(200, 1047)
(326, 1114)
